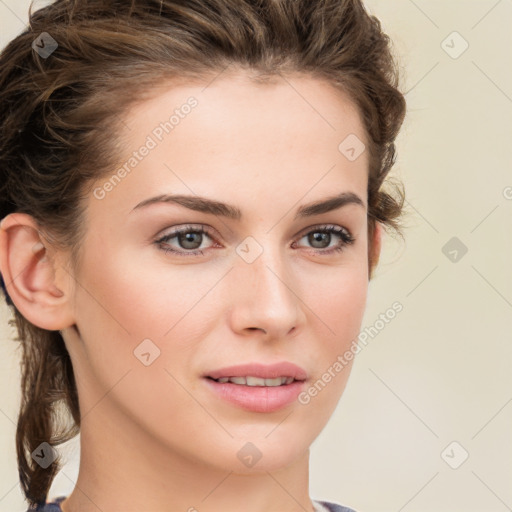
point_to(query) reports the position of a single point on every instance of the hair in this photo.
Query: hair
(58, 114)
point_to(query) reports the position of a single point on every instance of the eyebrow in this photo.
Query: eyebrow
(205, 205)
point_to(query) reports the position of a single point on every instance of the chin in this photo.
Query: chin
(261, 455)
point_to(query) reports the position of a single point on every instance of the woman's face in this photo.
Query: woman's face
(256, 277)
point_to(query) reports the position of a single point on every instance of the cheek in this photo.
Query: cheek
(124, 310)
(338, 299)
(125, 302)
(138, 298)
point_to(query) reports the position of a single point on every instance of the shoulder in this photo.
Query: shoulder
(50, 506)
(53, 506)
(328, 506)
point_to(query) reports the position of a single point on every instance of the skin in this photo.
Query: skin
(155, 437)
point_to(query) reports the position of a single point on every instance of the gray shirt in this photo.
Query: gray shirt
(320, 506)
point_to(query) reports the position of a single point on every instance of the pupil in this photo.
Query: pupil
(189, 241)
(320, 237)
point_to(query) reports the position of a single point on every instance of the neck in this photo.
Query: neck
(123, 468)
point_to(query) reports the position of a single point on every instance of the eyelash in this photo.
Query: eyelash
(345, 236)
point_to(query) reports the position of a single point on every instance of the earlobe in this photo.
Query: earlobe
(28, 268)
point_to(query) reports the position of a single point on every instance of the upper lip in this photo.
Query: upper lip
(263, 371)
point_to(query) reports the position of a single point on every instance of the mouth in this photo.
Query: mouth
(257, 374)
(256, 381)
(256, 387)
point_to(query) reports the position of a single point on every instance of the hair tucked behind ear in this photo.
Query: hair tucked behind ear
(59, 113)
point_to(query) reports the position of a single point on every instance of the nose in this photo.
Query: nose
(266, 296)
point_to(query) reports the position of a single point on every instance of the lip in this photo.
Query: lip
(263, 399)
(257, 398)
(263, 371)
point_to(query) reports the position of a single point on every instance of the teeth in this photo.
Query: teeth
(257, 381)
(237, 380)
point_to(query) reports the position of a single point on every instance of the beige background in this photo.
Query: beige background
(441, 370)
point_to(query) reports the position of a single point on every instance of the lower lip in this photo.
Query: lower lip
(257, 398)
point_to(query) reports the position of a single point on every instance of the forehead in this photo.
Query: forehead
(235, 137)
(307, 103)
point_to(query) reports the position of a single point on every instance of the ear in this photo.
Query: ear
(33, 274)
(374, 255)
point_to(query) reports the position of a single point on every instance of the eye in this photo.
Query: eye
(188, 241)
(321, 237)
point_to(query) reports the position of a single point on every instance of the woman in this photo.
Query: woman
(192, 205)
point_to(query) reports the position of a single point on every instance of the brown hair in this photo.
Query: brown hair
(58, 114)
